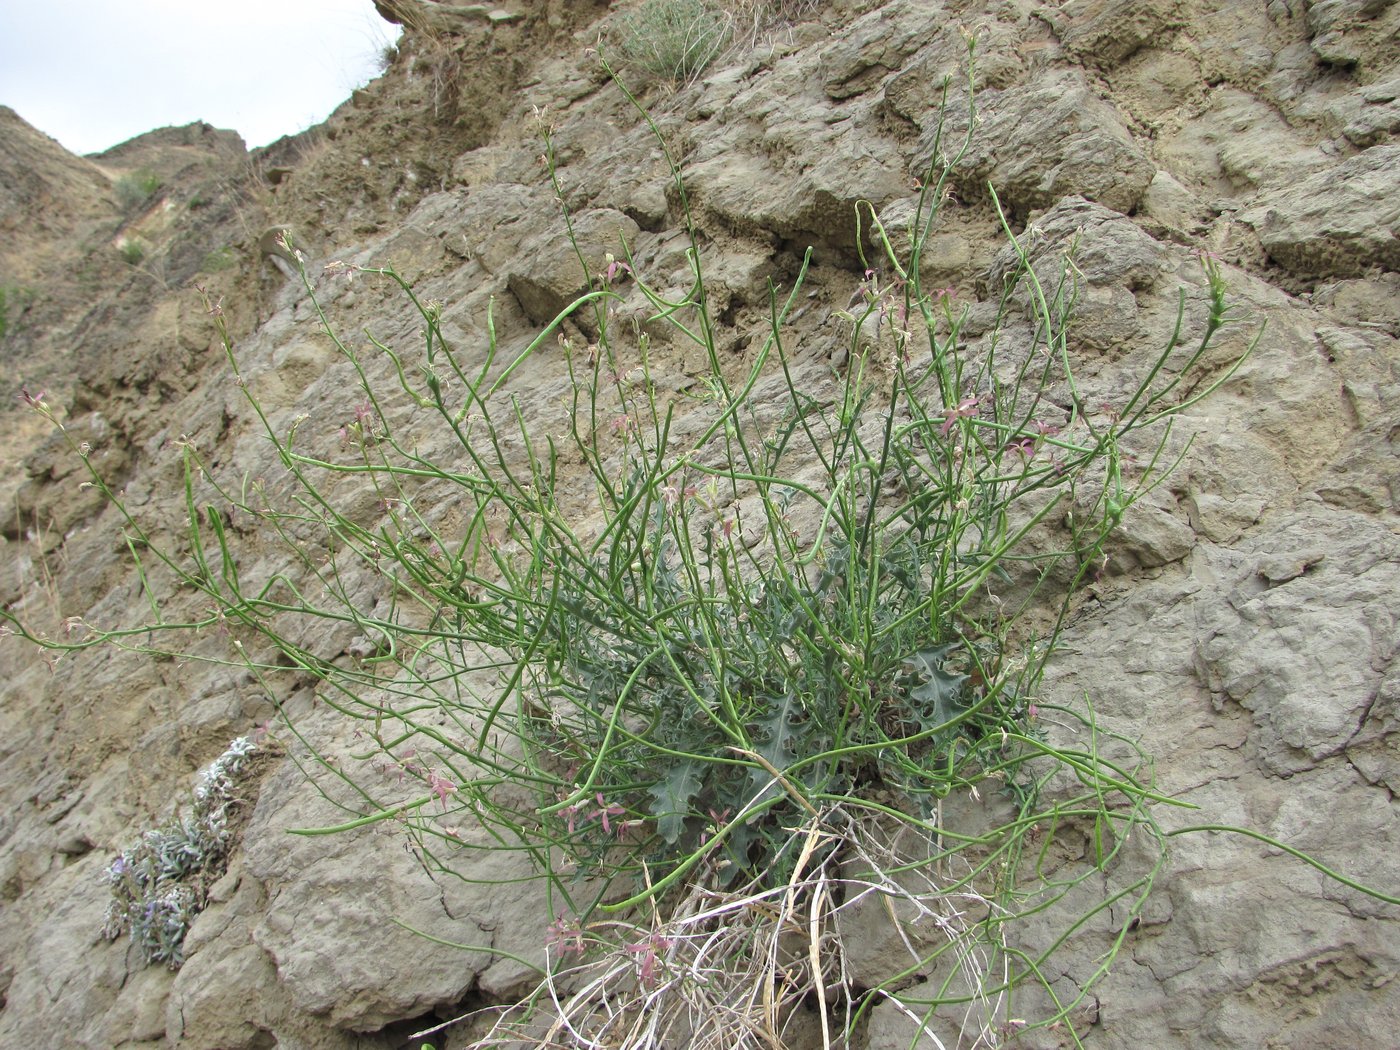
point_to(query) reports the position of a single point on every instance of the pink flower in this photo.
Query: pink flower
(646, 951)
(571, 816)
(717, 821)
(441, 787)
(674, 493)
(967, 409)
(566, 936)
(606, 811)
(1026, 444)
(581, 813)
(615, 269)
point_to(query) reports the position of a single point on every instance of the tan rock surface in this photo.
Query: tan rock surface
(1244, 631)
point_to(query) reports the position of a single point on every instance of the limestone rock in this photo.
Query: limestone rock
(59, 493)
(1052, 137)
(1171, 207)
(1339, 223)
(431, 17)
(44, 186)
(488, 226)
(546, 276)
(1375, 750)
(1268, 653)
(1336, 25)
(1309, 700)
(1114, 262)
(1106, 33)
(876, 46)
(818, 207)
(72, 973)
(341, 910)
(1376, 115)
(1236, 146)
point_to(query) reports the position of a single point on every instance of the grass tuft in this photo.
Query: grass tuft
(132, 249)
(136, 188)
(675, 40)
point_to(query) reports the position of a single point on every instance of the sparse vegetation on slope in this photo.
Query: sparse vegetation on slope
(694, 704)
(689, 641)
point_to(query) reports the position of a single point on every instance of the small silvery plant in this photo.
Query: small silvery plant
(162, 882)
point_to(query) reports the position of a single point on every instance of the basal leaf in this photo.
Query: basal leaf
(670, 798)
(778, 736)
(939, 698)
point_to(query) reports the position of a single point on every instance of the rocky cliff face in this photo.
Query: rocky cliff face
(1244, 632)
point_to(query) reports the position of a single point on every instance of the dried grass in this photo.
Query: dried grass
(767, 969)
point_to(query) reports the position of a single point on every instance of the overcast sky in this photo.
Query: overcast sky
(94, 73)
